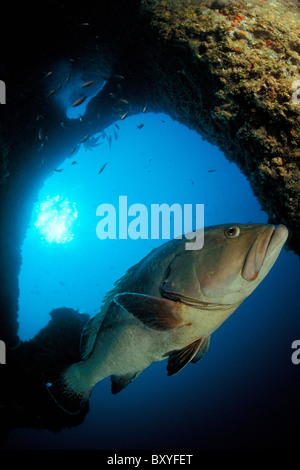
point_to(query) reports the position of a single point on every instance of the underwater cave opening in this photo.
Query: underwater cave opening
(149, 158)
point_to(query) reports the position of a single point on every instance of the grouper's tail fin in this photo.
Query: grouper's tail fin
(67, 389)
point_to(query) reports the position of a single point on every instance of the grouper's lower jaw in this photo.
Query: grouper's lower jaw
(277, 240)
(265, 248)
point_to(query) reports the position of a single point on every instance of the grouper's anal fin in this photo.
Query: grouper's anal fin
(180, 358)
(119, 382)
(202, 350)
(156, 312)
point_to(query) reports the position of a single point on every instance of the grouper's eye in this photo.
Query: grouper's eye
(232, 232)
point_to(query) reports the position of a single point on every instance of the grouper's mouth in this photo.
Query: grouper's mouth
(199, 304)
(267, 244)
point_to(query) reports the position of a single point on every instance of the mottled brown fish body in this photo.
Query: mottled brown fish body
(167, 306)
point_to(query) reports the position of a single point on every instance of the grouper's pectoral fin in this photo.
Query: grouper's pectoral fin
(180, 358)
(89, 334)
(118, 382)
(155, 312)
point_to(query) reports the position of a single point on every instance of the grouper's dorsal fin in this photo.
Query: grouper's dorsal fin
(156, 312)
(118, 382)
(89, 334)
(180, 358)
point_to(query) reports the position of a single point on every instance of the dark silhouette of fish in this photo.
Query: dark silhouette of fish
(102, 168)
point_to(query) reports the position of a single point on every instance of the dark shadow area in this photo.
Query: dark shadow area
(25, 401)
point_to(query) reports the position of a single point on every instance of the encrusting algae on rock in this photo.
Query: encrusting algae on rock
(231, 77)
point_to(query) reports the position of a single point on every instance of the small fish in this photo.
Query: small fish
(58, 170)
(42, 146)
(123, 101)
(79, 102)
(48, 74)
(68, 78)
(39, 117)
(117, 126)
(123, 116)
(84, 24)
(94, 140)
(144, 109)
(119, 77)
(74, 149)
(109, 141)
(74, 163)
(59, 87)
(84, 138)
(140, 126)
(51, 92)
(115, 135)
(102, 168)
(87, 84)
(41, 133)
(167, 306)
(211, 171)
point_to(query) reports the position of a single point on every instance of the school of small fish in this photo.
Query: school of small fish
(90, 143)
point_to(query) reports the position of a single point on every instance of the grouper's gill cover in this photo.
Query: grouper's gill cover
(167, 306)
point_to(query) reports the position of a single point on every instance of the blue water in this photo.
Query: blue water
(242, 393)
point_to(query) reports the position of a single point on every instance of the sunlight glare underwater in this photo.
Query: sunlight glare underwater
(55, 218)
